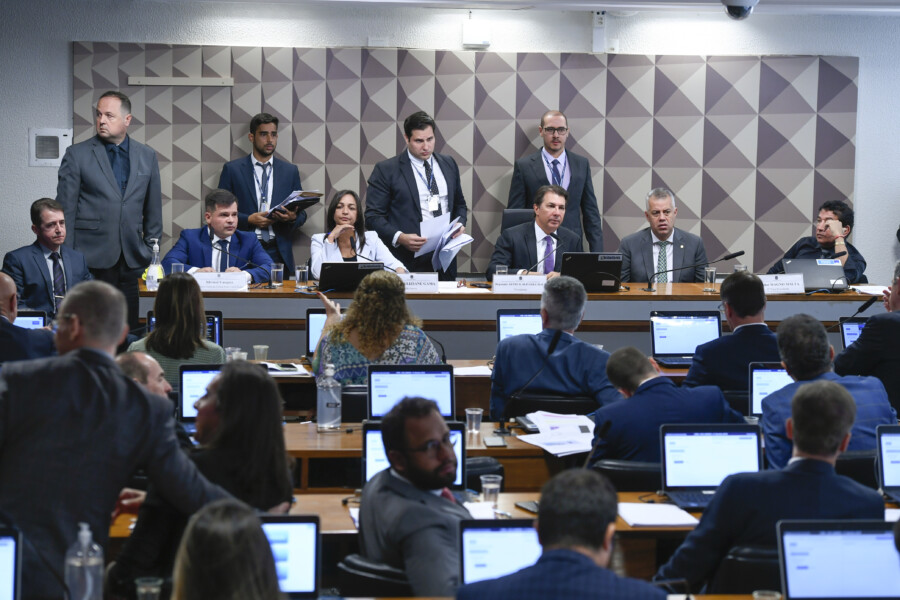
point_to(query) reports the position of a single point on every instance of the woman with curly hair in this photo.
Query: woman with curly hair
(377, 329)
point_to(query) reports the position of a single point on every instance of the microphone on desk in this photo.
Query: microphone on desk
(862, 308)
(366, 258)
(650, 287)
(252, 264)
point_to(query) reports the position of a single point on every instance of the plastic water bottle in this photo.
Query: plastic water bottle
(84, 567)
(328, 400)
(154, 271)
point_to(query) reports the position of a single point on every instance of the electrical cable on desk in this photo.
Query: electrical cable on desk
(642, 497)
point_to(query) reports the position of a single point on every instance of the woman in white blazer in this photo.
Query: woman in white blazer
(347, 239)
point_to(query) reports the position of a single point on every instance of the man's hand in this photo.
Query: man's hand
(283, 215)
(836, 229)
(552, 274)
(232, 270)
(458, 232)
(411, 241)
(886, 299)
(130, 501)
(205, 270)
(259, 220)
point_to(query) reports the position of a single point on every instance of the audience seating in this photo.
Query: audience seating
(747, 568)
(631, 475)
(363, 577)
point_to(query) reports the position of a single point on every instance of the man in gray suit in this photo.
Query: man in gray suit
(408, 518)
(641, 252)
(73, 429)
(110, 190)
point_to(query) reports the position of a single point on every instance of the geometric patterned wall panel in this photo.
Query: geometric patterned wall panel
(749, 144)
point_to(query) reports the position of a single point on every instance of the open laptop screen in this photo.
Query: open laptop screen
(375, 459)
(294, 540)
(315, 324)
(491, 549)
(889, 455)
(10, 563)
(512, 322)
(678, 333)
(388, 384)
(215, 325)
(765, 378)
(851, 328)
(703, 457)
(31, 319)
(194, 379)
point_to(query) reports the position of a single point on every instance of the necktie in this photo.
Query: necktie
(117, 162)
(557, 178)
(432, 187)
(59, 279)
(263, 197)
(223, 258)
(662, 264)
(548, 255)
(446, 494)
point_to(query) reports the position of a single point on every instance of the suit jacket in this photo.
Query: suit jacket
(414, 530)
(575, 368)
(517, 248)
(637, 257)
(104, 224)
(561, 573)
(635, 421)
(237, 178)
(808, 247)
(194, 249)
(392, 201)
(18, 343)
(872, 409)
(876, 352)
(529, 175)
(65, 456)
(723, 362)
(747, 506)
(28, 268)
(374, 250)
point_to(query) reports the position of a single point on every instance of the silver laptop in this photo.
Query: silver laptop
(765, 378)
(675, 334)
(818, 273)
(494, 548)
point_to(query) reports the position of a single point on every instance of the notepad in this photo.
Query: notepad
(655, 515)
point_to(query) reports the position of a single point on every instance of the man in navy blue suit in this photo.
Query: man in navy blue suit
(219, 246)
(576, 523)
(650, 401)
(747, 505)
(18, 343)
(724, 361)
(807, 355)
(553, 361)
(261, 181)
(45, 270)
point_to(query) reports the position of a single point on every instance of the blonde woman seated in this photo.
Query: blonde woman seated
(378, 328)
(348, 240)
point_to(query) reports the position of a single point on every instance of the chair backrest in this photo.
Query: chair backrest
(516, 216)
(476, 466)
(747, 568)
(630, 475)
(738, 400)
(353, 403)
(363, 577)
(564, 405)
(858, 465)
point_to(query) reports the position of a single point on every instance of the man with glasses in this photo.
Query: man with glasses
(553, 164)
(408, 518)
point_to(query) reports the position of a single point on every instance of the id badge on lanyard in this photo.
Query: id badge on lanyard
(434, 203)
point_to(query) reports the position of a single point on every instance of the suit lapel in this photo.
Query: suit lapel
(538, 172)
(37, 254)
(103, 162)
(531, 246)
(451, 181)
(677, 255)
(205, 248)
(406, 171)
(647, 254)
(250, 180)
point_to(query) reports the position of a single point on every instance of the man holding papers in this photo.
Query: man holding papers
(411, 189)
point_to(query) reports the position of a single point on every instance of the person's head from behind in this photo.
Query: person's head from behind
(224, 554)
(145, 370)
(562, 303)
(9, 302)
(418, 445)
(221, 212)
(378, 312)
(743, 296)
(92, 315)
(577, 511)
(822, 415)
(180, 317)
(48, 222)
(627, 368)
(345, 209)
(804, 348)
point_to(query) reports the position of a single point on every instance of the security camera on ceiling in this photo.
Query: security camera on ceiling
(739, 9)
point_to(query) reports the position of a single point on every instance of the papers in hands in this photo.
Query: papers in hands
(300, 197)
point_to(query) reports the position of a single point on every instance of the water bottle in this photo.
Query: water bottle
(154, 271)
(328, 401)
(84, 567)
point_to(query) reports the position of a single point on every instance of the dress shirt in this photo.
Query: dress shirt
(564, 171)
(541, 246)
(670, 252)
(217, 257)
(257, 181)
(47, 252)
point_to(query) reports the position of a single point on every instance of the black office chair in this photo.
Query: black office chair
(630, 475)
(362, 577)
(747, 568)
(515, 216)
(353, 403)
(476, 466)
(564, 405)
(739, 401)
(858, 465)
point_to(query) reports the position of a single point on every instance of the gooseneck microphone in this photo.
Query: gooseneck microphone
(650, 283)
(862, 308)
(559, 245)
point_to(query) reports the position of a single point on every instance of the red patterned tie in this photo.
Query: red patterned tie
(447, 495)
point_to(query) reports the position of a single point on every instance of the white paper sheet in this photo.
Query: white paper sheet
(432, 230)
(479, 370)
(874, 290)
(655, 515)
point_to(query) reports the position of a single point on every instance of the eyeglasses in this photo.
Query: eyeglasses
(559, 130)
(431, 448)
(721, 307)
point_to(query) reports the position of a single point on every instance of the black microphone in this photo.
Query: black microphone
(862, 308)
(271, 286)
(383, 266)
(443, 352)
(650, 287)
(558, 247)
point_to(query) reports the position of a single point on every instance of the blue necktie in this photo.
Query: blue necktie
(59, 279)
(548, 255)
(117, 162)
(557, 178)
(223, 257)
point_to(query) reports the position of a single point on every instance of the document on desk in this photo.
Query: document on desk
(479, 370)
(874, 290)
(354, 514)
(655, 515)
(287, 369)
(561, 435)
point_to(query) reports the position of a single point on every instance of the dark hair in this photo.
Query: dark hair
(841, 210)
(575, 509)
(218, 197)
(563, 298)
(132, 366)
(359, 225)
(744, 292)
(627, 367)
(39, 206)
(418, 121)
(180, 317)
(101, 309)
(823, 413)
(393, 425)
(803, 346)
(262, 119)
(556, 189)
(126, 103)
(225, 554)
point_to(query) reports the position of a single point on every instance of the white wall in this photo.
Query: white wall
(36, 63)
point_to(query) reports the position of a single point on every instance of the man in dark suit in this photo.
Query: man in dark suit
(64, 456)
(807, 355)
(219, 247)
(641, 255)
(540, 244)
(110, 190)
(45, 270)
(650, 401)
(576, 523)
(408, 518)
(261, 181)
(18, 343)
(746, 506)
(415, 186)
(554, 164)
(876, 351)
(723, 362)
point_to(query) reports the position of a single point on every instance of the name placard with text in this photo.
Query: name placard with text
(519, 284)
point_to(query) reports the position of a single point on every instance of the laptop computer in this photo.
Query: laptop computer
(516, 321)
(825, 560)
(675, 334)
(10, 563)
(345, 276)
(388, 384)
(696, 458)
(494, 548)
(765, 378)
(193, 380)
(296, 543)
(851, 327)
(597, 271)
(30, 319)
(315, 323)
(215, 326)
(374, 458)
(888, 466)
(818, 273)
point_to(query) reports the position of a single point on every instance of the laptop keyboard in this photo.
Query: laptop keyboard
(675, 361)
(690, 499)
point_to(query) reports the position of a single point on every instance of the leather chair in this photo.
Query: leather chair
(515, 216)
(858, 465)
(476, 466)
(747, 568)
(630, 475)
(564, 405)
(362, 577)
(354, 403)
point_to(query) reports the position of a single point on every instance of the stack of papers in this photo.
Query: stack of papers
(655, 515)
(561, 435)
(438, 232)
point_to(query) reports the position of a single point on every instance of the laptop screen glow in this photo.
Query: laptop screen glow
(890, 459)
(765, 382)
(704, 459)
(509, 324)
(387, 388)
(495, 552)
(29, 322)
(680, 335)
(294, 550)
(850, 330)
(376, 458)
(193, 386)
(8, 567)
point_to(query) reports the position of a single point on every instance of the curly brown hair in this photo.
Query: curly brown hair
(378, 314)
